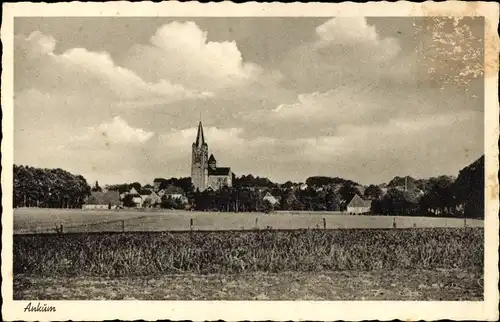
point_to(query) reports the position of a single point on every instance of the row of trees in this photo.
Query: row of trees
(443, 196)
(440, 196)
(48, 188)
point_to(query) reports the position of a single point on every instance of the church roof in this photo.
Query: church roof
(212, 158)
(219, 171)
(200, 138)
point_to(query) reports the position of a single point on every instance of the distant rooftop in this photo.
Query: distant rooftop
(220, 171)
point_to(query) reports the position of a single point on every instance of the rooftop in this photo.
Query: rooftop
(219, 171)
(357, 201)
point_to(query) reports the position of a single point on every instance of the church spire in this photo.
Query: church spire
(200, 138)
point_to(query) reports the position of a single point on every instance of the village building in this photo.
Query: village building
(152, 200)
(204, 170)
(358, 205)
(173, 192)
(137, 199)
(102, 200)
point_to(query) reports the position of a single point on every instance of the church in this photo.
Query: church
(204, 171)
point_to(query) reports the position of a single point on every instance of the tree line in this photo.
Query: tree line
(443, 196)
(440, 196)
(48, 188)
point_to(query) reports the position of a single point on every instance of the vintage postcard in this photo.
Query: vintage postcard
(224, 161)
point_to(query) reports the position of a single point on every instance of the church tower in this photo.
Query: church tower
(199, 161)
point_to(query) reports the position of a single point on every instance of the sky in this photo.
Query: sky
(366, 99)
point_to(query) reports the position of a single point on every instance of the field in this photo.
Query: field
(400, 285)
(407, 264)
(33, 220)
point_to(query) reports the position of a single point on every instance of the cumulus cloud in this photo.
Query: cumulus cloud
(183, 53)
(340, 104)
(80, 70)
(345, 50)
(352, 34)
(116, 131)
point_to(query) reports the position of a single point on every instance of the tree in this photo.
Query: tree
(440, 198)
(96, 187)
(469, 189)
(267, 207)
(396, 202)
(55, 188)
(136, 185)
(347, 192)
(171, 203)
(373, 192)
(128, 201)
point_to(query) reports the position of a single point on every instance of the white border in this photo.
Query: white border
(260, 310)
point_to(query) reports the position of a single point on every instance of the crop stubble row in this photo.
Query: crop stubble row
(146, 254)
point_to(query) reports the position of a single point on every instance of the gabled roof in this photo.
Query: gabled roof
(200, 138)
(103, 198)
(271, 198)
(133, 191)
(357, 201)
(224, 171)
(212, 158)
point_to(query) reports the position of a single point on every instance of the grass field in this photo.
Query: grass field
(410, 264)
(33, 220)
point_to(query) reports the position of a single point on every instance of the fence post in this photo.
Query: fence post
(123, 226)
(324, 223)
(61, 228)
(394, 223)
(256, 222)
(191, 223)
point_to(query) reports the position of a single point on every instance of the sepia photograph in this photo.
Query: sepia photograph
(249, 158)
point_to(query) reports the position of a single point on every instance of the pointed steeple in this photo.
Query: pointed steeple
(200, 138)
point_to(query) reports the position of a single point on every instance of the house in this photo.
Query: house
(358, 205)
(102, 200)
(174, 192)
(137, 199)
(152, 200)
(269, 197)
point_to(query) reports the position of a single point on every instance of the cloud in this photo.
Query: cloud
(183, 53)
(115, 132)
(351, 34)
(230, 140)
(347, 103)
(345, 50)
(78, 70)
